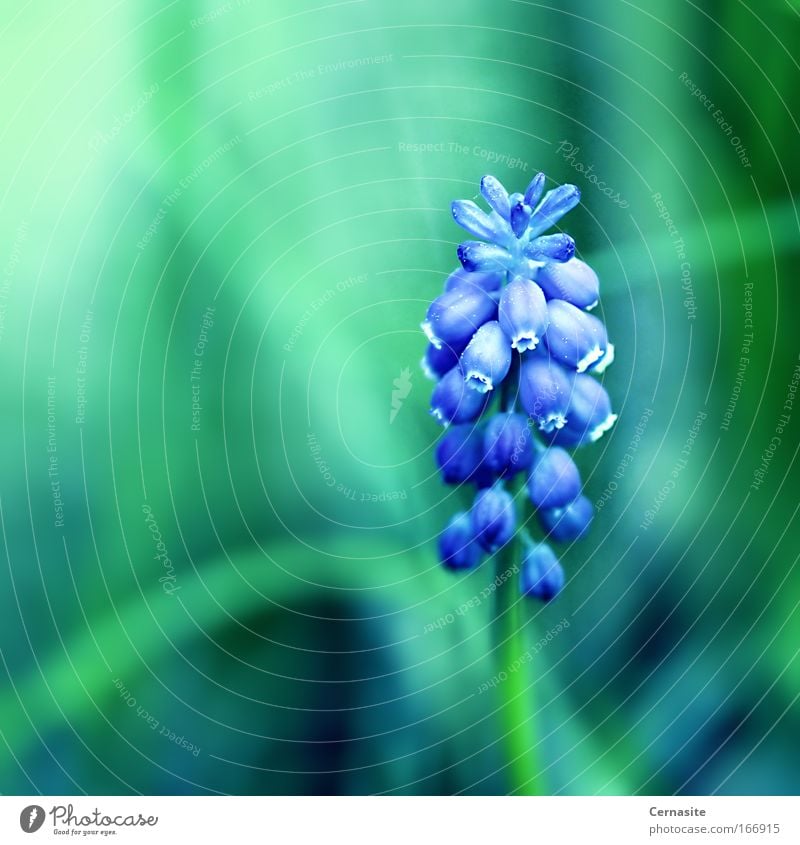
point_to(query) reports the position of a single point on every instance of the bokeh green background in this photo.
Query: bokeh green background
(269, 150)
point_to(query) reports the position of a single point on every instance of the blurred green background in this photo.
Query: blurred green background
(220, 226)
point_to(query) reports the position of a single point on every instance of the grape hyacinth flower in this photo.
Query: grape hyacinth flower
(516, 356)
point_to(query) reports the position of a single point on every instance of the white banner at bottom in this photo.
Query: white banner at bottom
(462, 820)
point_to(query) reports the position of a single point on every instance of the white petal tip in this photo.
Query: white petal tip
(430, 334)
(594, 354)
(478, 381)
(606, 360)
(597, 433)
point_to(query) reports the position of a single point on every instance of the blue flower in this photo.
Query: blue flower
(460, 455)
(457, 546)
(577, 340)
(544, 389)
(493, 518)
(487, 359)
(453, 401)
(457, 314)
(541, 575)
(554, 480)
(507, 444)
(573, 281)
(568, 523)
(438, 360)
(588, 414)
(523, 313)
(515, 354)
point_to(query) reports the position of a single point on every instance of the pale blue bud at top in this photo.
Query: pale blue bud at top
(554, 480)
(486, 281)
(457, 546)
(544, 390)
(479, 257)
(438, 361)
(507, 444)
(459, 453)
(568, 523)
(454, 316)
(541, 576)
(558, 247)
(520, 215)
(589, 413)
(493, 518)
(553, 207)
(576, 340)
(573, 281)
(453, 401)
(478, 223)
(534, 191)
(496, 195)
(486, 360)
(522, 313)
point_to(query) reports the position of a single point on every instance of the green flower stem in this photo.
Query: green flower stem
(517, 709)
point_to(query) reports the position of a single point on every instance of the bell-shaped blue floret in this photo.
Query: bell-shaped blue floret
(493, 518)
(589, 413)
(508, 444)
(544, 390)
(576, 340)
(541, 576)
(457, 314)
(486, 281)
(573, 281)
(459, 453)
(554, 480)
(486, 360)
(568, 523)
(457, 546)
(523, 314)
(453, 401)
(438, 361)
